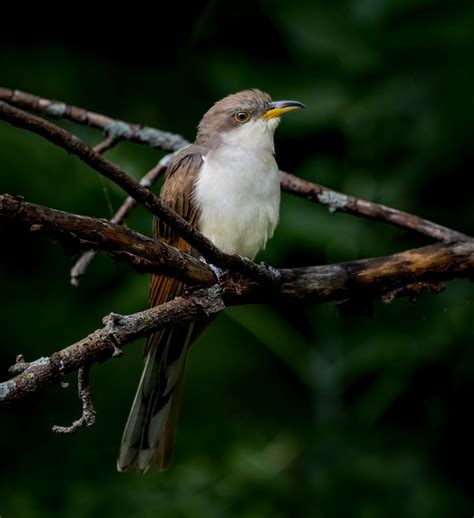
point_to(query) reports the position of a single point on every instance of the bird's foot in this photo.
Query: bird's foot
(276, 273)
(217, 271)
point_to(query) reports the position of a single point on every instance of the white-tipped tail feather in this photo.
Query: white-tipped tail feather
(155, 408)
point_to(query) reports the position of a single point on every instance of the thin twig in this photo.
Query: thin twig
(89, 255)
(105, 145)
(83, 262)
(81, 265)
(156, 206)
(114, 128)
(336, 201)
(88, 412)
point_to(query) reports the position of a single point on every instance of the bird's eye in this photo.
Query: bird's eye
(242, 116)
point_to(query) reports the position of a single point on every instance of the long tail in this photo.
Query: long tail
(151, 424)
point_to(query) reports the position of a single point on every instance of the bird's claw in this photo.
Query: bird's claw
(276, 273)
(217, 271)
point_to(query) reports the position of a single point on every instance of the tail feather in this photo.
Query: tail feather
(155, 400)
(131, 438)
(164, 449)
(147, 446)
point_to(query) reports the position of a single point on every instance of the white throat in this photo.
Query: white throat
(238, 190)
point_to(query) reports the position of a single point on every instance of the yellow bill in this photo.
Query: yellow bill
(278, 108)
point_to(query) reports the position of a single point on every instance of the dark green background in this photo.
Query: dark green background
(288, 410)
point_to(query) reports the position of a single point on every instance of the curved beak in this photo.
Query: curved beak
(278, 108)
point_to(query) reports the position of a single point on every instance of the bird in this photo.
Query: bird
(227, 185)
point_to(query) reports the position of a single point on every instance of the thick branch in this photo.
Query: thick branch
(73, 145)
(116, 129)
(377, 276)
(365, 278)
(140, 251)
(336, 201)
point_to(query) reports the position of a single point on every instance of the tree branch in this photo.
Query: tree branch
(116, 129)
(364, 278)
(336, 201)
(120, 242)
(102, 343)
(377, 276)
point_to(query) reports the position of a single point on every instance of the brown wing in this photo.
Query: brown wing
(177, 193)
(152, 419)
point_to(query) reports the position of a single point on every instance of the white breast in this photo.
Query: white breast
(238, 191)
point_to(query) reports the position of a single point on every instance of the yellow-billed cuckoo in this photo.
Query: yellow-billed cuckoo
(227, 185)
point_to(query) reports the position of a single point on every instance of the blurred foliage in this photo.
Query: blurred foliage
(288, 410)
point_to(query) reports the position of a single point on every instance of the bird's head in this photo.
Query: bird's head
(243, 118)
